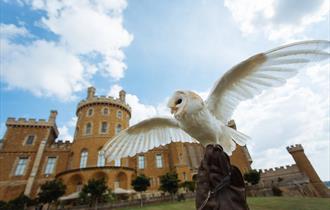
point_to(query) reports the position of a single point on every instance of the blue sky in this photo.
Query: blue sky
(52, 51)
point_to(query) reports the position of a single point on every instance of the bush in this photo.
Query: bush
(188, 185)
(253, 177)
(169, 183)
(94, 191)
(19, 203)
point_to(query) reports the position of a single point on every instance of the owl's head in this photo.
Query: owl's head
(185, 102)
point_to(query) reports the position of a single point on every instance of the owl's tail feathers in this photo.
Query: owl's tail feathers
(238, 137)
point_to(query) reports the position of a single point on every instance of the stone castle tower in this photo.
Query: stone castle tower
(99, 119)
(28, 147)
(305, 166)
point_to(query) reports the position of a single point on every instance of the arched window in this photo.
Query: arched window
(119, 114)
(118, 128)
(100, 158)
(83, 158)
(88, 129)
(105, 111)
(90, 112)
(104, 127)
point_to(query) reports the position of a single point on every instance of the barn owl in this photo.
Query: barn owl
(196, 120)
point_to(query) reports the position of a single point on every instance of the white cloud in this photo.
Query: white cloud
(65, 131)
(29, 67)
(87, 27)
(277, 19)
(91, 37)
(140, 111)
(9, 31)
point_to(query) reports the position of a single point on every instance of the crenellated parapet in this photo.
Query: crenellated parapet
(295, 148)
(27, 122)
(279, 170)
(104, 100)
(32, 122)
(60, 144)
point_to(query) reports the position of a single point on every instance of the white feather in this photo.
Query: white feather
(262, 71)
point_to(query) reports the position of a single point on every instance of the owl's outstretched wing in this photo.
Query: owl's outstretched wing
(144, 136)
(270, 69)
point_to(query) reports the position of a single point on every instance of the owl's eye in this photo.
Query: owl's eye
(179, 101)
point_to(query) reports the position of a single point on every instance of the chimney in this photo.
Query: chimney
(90, 93)
(52, 116)
(122, 96)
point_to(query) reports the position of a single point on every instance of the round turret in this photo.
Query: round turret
(99, 119)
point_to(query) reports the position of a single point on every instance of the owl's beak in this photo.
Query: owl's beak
(174, 109)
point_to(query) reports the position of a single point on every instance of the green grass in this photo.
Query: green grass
(255, 203)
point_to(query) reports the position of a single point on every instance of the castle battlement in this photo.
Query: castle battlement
(92, 99)
(60, 144)
(295, 148)
(280, 169)
(32, 122)
(28, 122)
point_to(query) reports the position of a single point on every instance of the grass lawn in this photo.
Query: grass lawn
(259, 203)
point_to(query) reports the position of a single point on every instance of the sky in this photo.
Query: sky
(51, 51)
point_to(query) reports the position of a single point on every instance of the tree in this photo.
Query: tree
(51, 191)
(169, 183)
(95, 191)
(253, 177)
(140, 184)
(19, 203)
(188, 185)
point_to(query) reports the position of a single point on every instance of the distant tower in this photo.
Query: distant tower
(122, 96)
(305, 166)
(99, 119)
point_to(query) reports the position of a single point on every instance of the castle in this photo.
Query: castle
(30, 153)
(299, 179)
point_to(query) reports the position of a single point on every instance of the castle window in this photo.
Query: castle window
(21, 165)
(105, 111)
(83, 159)
(88, 129)
(119, 114)
(140, 161)
(118, 128)
(117, 162)
(51, 161)
(90, 112)
(101, 159)
(159, 161)
(29, 140)
(184, 176)
(104, 127)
